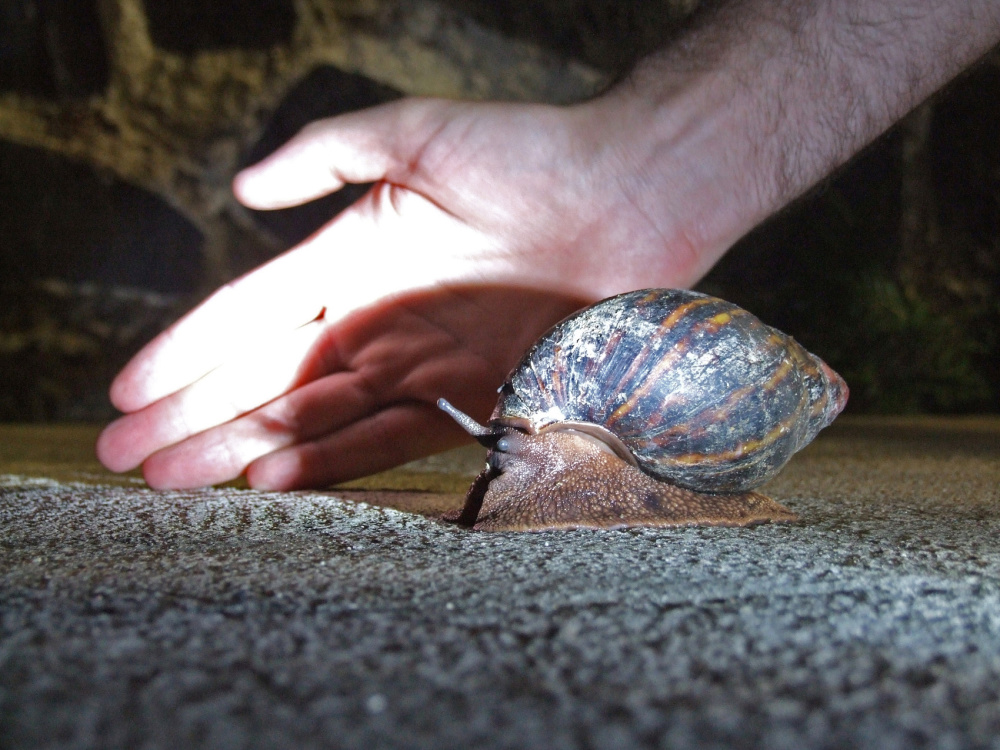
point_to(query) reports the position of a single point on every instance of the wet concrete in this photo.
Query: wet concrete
(228, 618)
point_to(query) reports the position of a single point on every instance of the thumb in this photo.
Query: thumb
(380, 143)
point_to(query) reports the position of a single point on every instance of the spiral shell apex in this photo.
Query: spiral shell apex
(656, 407)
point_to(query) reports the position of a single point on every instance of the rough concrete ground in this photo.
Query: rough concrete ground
(227, 618)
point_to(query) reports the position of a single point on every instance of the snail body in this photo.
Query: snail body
(653, 408)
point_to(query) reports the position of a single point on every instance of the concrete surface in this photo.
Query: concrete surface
(228, 618)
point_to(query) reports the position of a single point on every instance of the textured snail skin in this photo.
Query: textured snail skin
(561, 480)
(706, 400)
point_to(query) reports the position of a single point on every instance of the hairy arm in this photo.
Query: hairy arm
(760, 99)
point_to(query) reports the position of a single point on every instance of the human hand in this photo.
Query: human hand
(488, 223)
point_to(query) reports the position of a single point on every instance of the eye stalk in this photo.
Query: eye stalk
(496, 440)
(487, 437)
(505, 442)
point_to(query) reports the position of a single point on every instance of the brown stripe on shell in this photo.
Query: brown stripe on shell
(558, 374)
(740, 451)
(679, 349)
(732, 401)
(540, 381)
(748, 447)
(671, 320)
(748, 461)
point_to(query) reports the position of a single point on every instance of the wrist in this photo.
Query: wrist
(761, 100)
(687, 155)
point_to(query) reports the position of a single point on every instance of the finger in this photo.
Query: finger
(237, 318)
(238, 387)
(395, 435)
(391, 241)
(364, 146)
(323, 406)
(223, 453)
(283, 294)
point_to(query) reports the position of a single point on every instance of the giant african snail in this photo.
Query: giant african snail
(654, 408)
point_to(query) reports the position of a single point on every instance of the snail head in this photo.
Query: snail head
(502, 440)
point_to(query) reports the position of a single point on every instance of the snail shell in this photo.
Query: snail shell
(655, 407)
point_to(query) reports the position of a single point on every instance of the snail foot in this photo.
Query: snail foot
(597, 490)
(687, 508)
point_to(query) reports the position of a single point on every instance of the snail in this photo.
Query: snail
(658, 407)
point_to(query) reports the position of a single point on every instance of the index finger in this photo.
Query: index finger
(279, 296)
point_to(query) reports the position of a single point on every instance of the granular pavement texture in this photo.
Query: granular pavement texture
(228, 618)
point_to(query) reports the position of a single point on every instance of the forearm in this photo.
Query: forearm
(761, 99)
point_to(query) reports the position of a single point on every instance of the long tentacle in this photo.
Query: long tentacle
(485, 435)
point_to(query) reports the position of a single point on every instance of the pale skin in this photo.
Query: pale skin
(490, 222)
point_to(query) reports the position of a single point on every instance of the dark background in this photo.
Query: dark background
(890, 270)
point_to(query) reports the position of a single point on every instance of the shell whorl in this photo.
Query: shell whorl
(704, 394)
